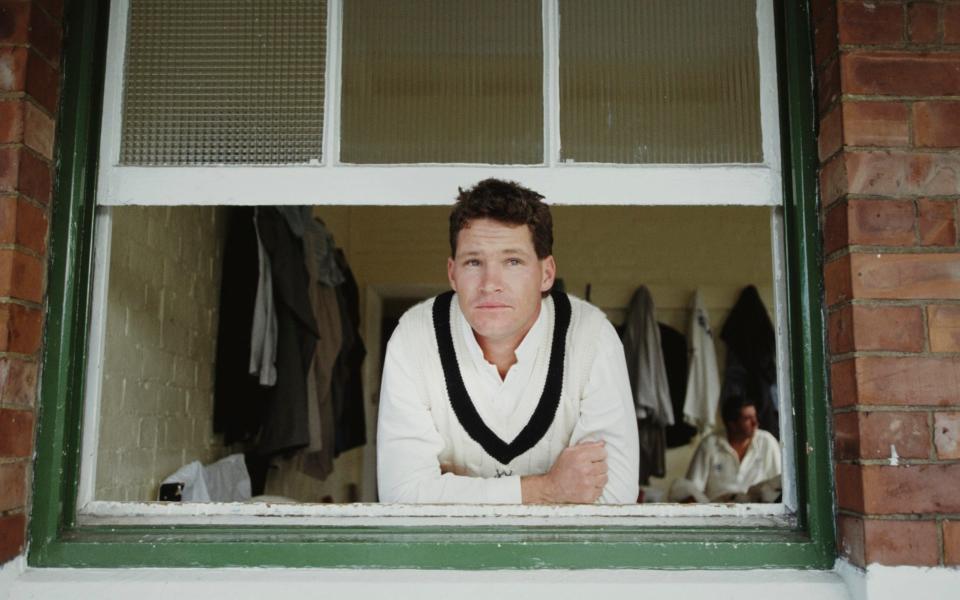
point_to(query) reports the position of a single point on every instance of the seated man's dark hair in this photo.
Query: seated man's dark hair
(506, 202)
(732, 405)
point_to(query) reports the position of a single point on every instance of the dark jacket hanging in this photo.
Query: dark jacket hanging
(285, 424)
(347, 389)
(239, 400)
(675, 358)
(751, 367)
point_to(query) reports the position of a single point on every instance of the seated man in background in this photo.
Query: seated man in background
(742, 465)
(502, 391)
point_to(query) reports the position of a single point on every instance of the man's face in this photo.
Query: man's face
(746, 425)
(499, 279)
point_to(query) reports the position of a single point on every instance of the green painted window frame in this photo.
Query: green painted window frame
(56, 540)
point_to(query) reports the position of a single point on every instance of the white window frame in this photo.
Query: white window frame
(333, 183)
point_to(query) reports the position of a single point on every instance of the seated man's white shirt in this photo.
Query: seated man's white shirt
(418, 430)
(717, 471)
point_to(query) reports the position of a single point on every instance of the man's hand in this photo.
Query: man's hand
(577, 477)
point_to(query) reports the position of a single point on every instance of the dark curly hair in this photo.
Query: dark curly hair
(506, 202)
(733, 405)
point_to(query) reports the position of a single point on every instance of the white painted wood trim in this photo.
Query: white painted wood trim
(353, 515)
(784, 371)
(332, 87)
(437, 184)
(769, 96)
(551, 82)
(89, 445)
(112, 114)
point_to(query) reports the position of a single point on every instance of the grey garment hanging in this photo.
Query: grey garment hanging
(645, 364)
(323, 254)
(317, 459)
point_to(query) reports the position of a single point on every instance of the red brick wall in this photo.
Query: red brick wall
(30, 43)
(889, 106)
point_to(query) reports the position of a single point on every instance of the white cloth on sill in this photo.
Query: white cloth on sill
(418, 430)
(703, 378)
(226, 480)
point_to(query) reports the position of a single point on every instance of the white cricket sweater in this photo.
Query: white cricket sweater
(419, 429)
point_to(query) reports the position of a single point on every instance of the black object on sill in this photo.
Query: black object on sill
(171, 492)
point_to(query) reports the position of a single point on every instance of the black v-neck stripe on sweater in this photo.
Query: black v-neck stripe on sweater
(463, 406)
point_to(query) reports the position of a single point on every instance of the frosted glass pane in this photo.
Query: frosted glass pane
(224, 81)
(442, 81)
(659, 81)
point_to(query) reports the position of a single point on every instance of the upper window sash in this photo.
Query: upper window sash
(331, 182)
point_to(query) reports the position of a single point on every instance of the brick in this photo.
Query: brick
(892, 328)
(872, 435)
(11, 121)
(54, 8)
(8, 219)
(905, 276)
(31, 227)
(822, 9)
(951, 542)
(35, 177)
(825, 40)
(846, 436)
(869, 23)
(835, 232)
(38, 131)
(881, 432)
(16, 433)
(45, 35)
(840, 330)
(951, 24)
(833, 180)
(923, 18)
(946, 434)
(843, 383)
(915, 489)
(837, 281)
(850, 538)
(908, 381)
(830, 137)
(936, 124)
(901, 542)
(21, 328)
(13, 69)
(880, 222)
(9, 169)
(901, 74)
(13, 485)
(876, 124)
(936, 223)
(828, 84)
(944, 324)
(21, 276)
(42, 82)
(14, 22)
(902, 174)
(13, 529)
(849, 486)
(18, 381)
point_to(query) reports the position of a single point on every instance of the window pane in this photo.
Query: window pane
(442, 81)
(222, 81)
(659, 81)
